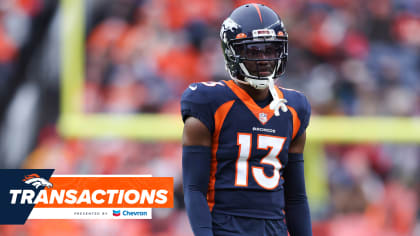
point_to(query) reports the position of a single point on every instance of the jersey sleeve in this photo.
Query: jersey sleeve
(196, 103)
(304, 114)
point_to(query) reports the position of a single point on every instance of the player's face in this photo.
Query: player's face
(260, 58)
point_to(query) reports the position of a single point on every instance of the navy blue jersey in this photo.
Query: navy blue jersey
(249, 146)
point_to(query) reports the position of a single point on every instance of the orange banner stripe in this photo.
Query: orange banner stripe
(127, 192)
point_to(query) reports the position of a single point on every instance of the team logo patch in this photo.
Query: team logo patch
(262, 117)
(228, 24)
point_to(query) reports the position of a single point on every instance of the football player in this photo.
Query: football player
(243, 138)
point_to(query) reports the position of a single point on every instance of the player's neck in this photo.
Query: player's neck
(255, 94)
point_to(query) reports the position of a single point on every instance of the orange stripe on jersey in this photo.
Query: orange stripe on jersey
(258, 10)
(250, 103)
(219, 118)
(296, 121)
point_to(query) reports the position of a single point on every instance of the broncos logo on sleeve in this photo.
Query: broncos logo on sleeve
(36, 181)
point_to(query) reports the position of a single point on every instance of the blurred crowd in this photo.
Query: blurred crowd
(15, 27)
(363, 56)
(350, 57)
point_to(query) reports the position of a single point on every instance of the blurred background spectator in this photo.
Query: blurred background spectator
(350, 57)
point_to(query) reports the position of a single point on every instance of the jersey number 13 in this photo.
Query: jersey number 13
(244, 141)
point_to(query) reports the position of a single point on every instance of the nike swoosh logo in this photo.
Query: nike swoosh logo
(193, 87)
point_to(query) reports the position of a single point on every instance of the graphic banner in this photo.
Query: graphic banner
(37, 194)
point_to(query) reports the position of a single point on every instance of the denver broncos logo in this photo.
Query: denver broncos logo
(36, 181)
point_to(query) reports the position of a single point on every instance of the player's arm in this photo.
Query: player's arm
(196, 157)
(298, 217)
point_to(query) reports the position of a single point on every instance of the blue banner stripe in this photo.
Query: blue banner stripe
(19, 180)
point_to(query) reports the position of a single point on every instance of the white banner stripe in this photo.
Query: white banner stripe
(90, 213)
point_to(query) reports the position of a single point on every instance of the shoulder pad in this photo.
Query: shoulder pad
(204, 92)
(300, 103)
